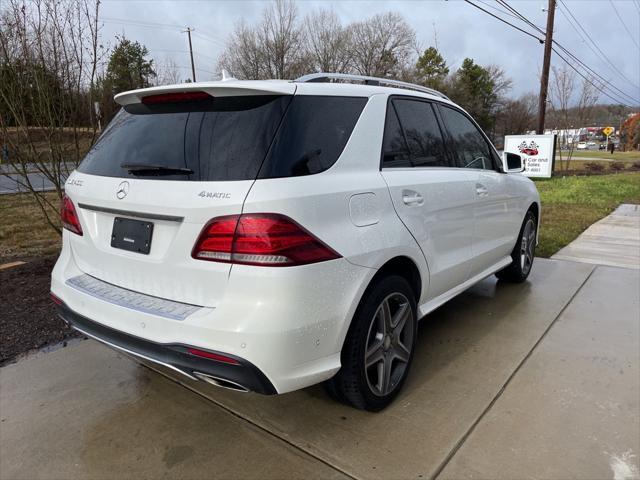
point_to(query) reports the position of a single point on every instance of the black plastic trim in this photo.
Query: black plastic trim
(245, 373)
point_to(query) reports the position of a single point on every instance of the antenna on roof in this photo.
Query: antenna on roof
(226, 76)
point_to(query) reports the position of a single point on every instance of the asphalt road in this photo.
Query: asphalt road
(12, 183)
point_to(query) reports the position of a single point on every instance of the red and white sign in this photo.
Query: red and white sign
(537, 152)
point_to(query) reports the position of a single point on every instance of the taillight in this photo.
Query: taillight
(266, 239)
(176, 97)
(69, 217)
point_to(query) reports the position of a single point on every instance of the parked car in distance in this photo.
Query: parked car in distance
(581, 146)
(270, 235)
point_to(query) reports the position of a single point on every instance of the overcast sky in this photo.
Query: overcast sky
(462, 31)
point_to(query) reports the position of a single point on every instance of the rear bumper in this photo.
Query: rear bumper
(242, 377)
(289, 323)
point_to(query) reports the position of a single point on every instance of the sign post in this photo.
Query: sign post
(538, 153)
(608, 131)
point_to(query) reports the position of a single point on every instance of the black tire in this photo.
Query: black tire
(385, 324)
(523, 253)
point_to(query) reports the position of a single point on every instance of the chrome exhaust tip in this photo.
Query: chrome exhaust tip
(220, 382)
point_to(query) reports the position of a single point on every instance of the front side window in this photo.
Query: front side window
(421, 129)
(469, 146)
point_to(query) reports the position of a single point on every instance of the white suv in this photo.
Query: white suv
(269, 235)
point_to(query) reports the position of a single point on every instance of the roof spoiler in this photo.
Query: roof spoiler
(224, 88)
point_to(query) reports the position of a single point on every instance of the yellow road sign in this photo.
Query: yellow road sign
(608, 131)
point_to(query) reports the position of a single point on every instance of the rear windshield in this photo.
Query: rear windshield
(225, 138)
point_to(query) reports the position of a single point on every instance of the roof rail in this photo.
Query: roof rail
(347, 77)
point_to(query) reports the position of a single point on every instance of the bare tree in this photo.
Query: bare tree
(329, 43)
(275, 48)
(571, 109)
(283, 39)
(588, 97)
(168, 73)
(244, 55)
(561, 90)
(383, 45)
(516, 116)
(49, 58)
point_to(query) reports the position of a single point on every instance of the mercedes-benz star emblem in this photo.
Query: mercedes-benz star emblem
(123, 189)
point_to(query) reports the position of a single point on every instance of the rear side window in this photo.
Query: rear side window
(412, 136)
(313, 135)
(470, 148)
(225, 138)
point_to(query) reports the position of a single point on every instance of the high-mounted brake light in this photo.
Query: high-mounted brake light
(176, 97)
(265, 239)
(69, 217)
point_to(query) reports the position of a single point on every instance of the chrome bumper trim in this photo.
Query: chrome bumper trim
(135, 354)
(130, 299)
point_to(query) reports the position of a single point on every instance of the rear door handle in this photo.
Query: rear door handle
(412, 198)
(481, 190)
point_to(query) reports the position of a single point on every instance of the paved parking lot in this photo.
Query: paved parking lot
(510, 381)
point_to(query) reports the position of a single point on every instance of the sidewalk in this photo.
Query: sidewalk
(614, 240)
(536, 380)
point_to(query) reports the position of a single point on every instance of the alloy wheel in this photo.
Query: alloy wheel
(527, 246)
(389, 344)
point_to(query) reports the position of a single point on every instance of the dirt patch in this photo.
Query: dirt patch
(28, 320)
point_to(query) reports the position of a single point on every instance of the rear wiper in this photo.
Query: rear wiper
(147, 169)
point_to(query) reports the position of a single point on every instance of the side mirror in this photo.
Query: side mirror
(512, 163)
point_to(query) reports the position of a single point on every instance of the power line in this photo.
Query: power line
(623, 24)
(136, 23)
(606, 82)
(202, 36)
(488, 5)
(524, 19)
(166, 50)
(504, 21)
(518, 15)
(586, 79)
(602, 54)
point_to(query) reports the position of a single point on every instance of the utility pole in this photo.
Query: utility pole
(193, 67)
(544, 80)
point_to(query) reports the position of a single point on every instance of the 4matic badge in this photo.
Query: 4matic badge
(205, 194)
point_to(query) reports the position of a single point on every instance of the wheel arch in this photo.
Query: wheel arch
(402, 266)
(535, 209)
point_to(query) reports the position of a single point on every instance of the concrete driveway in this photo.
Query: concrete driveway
(509, 381)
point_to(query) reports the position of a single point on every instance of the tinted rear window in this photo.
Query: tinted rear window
(314, 133)
(227, 138)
